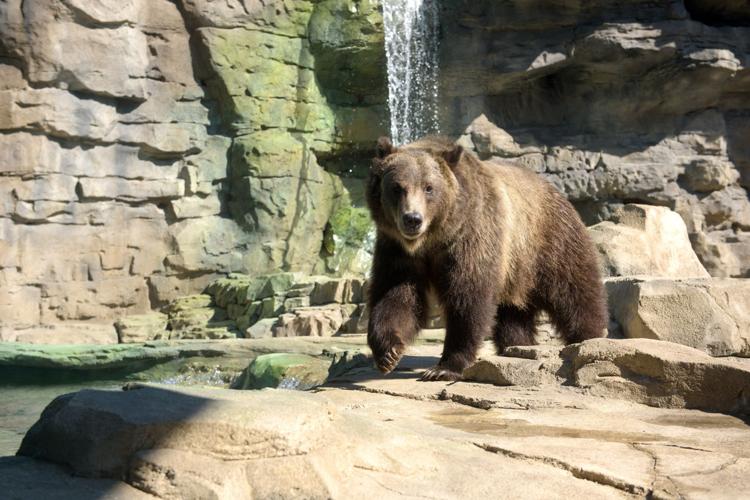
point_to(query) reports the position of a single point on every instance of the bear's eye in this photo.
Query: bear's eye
(428, 189)
(396, 189)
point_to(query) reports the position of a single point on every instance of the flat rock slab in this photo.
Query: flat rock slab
(414, 439)
(659, 374)
(26, 478)
(709, 314)
(104, 357)
(126, 355)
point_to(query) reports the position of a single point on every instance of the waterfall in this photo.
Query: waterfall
(411, 47)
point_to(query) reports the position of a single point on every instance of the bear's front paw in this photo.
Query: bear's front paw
(437, 372)
(388, 361)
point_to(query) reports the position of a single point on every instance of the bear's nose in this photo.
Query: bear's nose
(412, 221)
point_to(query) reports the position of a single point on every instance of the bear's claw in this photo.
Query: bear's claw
(440, 373)
(388, 362)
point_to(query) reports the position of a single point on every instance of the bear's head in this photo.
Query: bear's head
(412, 188)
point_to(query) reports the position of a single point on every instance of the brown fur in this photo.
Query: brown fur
(498, 244)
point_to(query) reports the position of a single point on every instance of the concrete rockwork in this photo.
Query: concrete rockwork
(608, 419)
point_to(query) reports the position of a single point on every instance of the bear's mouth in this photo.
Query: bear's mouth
(411, 235)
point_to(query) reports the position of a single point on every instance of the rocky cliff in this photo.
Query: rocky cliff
(614, 102)
(148, 146)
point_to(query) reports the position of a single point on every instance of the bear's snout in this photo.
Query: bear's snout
(412, 221)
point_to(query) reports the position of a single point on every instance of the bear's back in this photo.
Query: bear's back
(525, 203)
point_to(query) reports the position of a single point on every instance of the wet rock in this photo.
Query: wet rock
(285, 371)
(646, 240)
(712, 315)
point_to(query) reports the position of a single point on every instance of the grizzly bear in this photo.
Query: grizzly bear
(495, 243)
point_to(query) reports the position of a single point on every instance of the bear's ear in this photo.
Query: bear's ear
(453, 155)
(384, 148)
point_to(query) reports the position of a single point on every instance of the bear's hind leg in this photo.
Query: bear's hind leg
(514, 326)
(467, 324)
(577, 306)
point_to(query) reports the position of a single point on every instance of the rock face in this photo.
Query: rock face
(148, 147)
(139, 161)
(647, 240)
(708, 314)
(363, 434)
(615, 102)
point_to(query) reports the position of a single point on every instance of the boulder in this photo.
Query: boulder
(661, 374)
(321, 321)
(365, 434)
(141, 419)
(142, 327)
(648, 240)
(25, 477)
(262, 328)
(706, 175)
(285, 371)
(712, 315)
(504, 370)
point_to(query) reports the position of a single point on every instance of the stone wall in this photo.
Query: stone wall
(148, 146)
(615, 102)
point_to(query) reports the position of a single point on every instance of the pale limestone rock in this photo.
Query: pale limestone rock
(503, 370)
(107, 11)
(161, 138)
(28, 478)
(208, 243)
(141, 327)
(200, 476)
(23, 153)
(114, 62)
(55, 253)
(710, 174)
(646, 240)
(313, 321)
(19, 305)
(11, 78)
(164, 289)
(100, 299)
(329, 291)
(661, 374)
(261, 419)
(712, 315)
(195, 206)
(67, 333)
(727, 208)
(130, 190)
(211, 163)
(397, 437)
(489, 139)
(262, 328)
(52, 187)
(57, 113)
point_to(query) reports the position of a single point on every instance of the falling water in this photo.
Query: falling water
(411, 47)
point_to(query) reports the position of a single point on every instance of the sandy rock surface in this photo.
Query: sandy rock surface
(363, 434)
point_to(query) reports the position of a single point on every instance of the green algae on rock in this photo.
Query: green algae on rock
(290, 371)
(297, 371)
